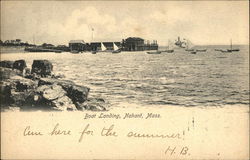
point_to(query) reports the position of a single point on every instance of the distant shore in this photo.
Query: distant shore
(18, 49)
(11, 49)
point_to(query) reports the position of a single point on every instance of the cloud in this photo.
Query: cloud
(79, 24)
(59, 22)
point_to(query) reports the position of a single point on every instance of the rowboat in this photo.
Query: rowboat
(154, 52)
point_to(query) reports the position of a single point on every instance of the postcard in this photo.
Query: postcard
(124, 79)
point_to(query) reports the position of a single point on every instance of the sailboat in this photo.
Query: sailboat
(103, 48)
(168, 50)
(191, 50)
(116, 48)
(188, 46)
(231, 49)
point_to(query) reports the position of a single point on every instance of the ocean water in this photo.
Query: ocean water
(181, 79)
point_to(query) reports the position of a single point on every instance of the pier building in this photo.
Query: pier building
(138, 44)
(77, 45)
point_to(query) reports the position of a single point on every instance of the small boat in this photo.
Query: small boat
(75, 52)
(168, 50)
(217, 49)
(154, 52)
(116, 49)
(201, 50)
(58, 51)
(193, 52)
(234, 50)
(189, 50)
(225, 51)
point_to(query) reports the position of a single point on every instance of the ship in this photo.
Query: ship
(179, 43)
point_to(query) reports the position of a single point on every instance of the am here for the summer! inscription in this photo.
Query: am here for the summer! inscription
(186, 134)
(88, 129)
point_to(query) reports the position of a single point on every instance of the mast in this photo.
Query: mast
(168, 44)
(33, 39)
(92, 36)
(231, 46)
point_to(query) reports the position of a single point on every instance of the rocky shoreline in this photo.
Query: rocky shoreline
(38, 88)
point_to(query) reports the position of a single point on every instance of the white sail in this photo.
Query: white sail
(103, 48)
(115, 47)
(170, 45)
(189, 44)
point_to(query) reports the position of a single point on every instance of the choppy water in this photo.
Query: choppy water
(203, 79)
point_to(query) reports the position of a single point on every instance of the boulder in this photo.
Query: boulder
(51, 92)
(15, 90)
(22, 84)
(49, 81)
(6, 73)
(94, 104)
(6, 64)
(63, 103)
(19, 98)
(5, 94)
(19, 65)
(36, 91)
(42, 68)
(54, 97)
(78, 94)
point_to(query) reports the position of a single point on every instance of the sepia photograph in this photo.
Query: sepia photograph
(171, 76)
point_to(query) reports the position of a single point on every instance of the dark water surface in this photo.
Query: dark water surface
(204, 79)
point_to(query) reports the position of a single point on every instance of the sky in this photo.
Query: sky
(58, 22)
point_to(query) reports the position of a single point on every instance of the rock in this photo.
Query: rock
(27, 71)
(55, 98)
(23, 84)
(78, 94)
(63, 103)
(95, 104)
(6, 64)
(16, 89)
(57, 76)
(5, 95)
(19, 65)
(36, 91)
(42, 68)
(49, 81)
(19, 98)
(6, 73)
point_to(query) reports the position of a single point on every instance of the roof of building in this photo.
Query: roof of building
(105, 42)
(77, 41)
(135, 38)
